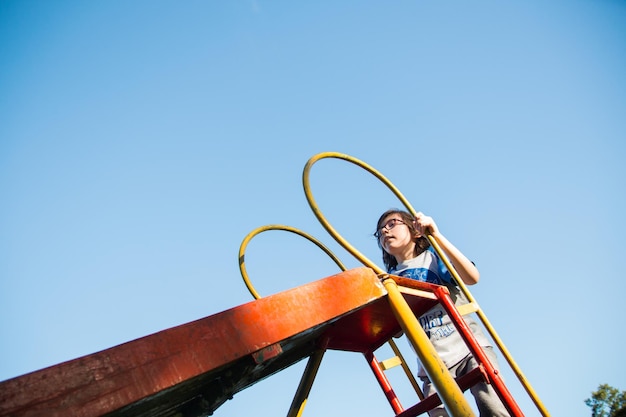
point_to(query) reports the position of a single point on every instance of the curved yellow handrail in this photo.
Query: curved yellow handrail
(329, 228)
(248, 238)
(363, 259)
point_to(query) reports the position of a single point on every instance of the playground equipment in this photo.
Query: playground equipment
(192, 369)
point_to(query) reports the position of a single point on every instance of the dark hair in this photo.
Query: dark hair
(421, 243)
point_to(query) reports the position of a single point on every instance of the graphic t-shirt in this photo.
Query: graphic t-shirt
(443, 335)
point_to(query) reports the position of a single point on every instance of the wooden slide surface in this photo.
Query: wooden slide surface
(192, 369)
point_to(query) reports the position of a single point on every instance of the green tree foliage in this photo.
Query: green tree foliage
(607, 402)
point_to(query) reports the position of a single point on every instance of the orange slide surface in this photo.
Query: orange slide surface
(194, 368)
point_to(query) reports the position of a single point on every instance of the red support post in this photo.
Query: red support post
(492, 374)
(384, 383)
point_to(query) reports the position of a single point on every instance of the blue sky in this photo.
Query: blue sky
(140, 142)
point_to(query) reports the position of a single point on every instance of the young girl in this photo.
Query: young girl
(407, 252)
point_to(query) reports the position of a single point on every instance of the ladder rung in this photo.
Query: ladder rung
(466, 309)
(417, 293)
(390, 363)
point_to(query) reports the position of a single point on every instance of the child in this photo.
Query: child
(408, 253)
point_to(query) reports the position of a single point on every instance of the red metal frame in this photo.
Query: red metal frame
(492, 375)
(484, 373)
(384, 383)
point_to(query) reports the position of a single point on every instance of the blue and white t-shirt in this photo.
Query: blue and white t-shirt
(427, 267)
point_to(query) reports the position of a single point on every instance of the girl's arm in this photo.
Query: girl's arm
(466, 269)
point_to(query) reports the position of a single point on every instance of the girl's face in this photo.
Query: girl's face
(395, 237)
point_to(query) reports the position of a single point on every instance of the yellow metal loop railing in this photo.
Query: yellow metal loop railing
(259, 230)
(320, 217)
(364, 260)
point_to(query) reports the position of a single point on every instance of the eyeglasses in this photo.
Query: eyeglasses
(390, 224)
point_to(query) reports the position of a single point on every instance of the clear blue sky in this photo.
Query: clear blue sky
(141, 141)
